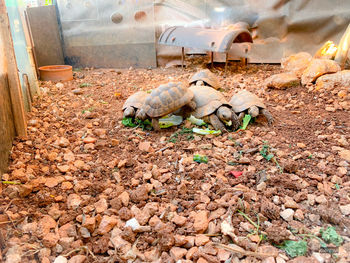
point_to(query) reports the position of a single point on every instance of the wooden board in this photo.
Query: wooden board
(7, 127)
(9, 65)
(43, 27)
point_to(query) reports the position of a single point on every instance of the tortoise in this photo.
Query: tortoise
(245, 101)
(166, 99)
(205, 77)
(134, 103)
(213, 108)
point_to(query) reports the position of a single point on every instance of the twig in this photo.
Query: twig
(10, 182)
(7, 207)
(80, 249)
(248, 218)
(162, 149)
(245, 252)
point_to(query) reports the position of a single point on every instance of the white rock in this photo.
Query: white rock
(60, 85)
(133, 223)
(60, 259)
(318, 257)
(345, 209)
(287, 214)
(13, 255)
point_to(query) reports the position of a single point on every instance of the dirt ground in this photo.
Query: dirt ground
(80, 175)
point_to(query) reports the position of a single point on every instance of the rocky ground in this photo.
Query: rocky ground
(84, 188)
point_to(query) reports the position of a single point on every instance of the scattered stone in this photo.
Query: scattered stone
(77, 92)
(88, 140)
(139, 194)
(282, 81)
(73, 201)
(321, 199)
(329, 81)
(101, 206)
(201, 221)
(77, 259)
(179, 220)
(51, 182)
(63, 142)
(124, 197)
(317, 68)
(287, 214)
(299, 215)
(296, 63)
(60, 259)
(63, 168)
(177, 253)
(201, 240)
(50, 240)
(345, 209)
(145, 146)
(106, 225)
(90, 224)
(290, 203)
(345, 154)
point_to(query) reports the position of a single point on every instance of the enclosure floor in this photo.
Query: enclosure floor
(125, 172)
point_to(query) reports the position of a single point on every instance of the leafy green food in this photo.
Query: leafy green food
(89, 109)
(185, 130)
(84, 85)
(265, 152)
(246, 121)
(173, 137)
(331, 236)
(200, 158)
(130, 122)
(295, 248)
(196, 121)
(205, 131)
(167, 122)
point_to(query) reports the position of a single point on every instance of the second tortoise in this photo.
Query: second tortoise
(164, 100)
(246, 102)
(212, 107)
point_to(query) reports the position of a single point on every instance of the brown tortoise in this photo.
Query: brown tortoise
(205, 77)
(212, 107)
(166, 99)
(133, 104)
(245, 101)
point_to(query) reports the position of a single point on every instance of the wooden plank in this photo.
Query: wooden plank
(7, 127)
(12, 73)
(47, 45)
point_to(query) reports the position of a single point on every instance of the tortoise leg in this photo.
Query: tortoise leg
(192, 105)
(217, 124)
(268, 116)
(155, 124)
(235, 121)
(253, 111)
(241, 116)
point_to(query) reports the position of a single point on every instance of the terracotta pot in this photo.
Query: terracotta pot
(56, 73)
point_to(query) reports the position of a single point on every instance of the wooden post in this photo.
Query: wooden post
(12, 73)
(182, 57)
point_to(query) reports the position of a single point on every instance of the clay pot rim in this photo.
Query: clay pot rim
(53, 68)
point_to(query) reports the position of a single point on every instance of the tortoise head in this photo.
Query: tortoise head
(129, 112)
(200, 83)
(224, 114)
(141, 114)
